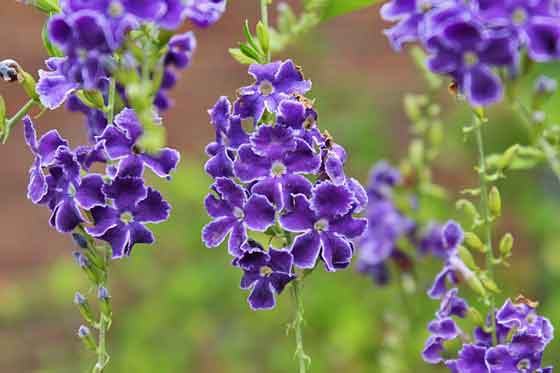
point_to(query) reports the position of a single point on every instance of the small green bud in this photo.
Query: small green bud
(495, 201)
(507, 158)
(474, 315)
(416, 152)
(90, 99)
(240, 57)
(476, 285)
(2, 115)
(153, 138)
(489, 283)
(467, 258)
(474, 242)
(84, 307)
(263, 36)
(412, 107)
(469, 208)
(506, 245)
(28, 83)
(436, 134)
(47, 6)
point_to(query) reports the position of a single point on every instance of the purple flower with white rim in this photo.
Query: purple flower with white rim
(62, 189)
(274, 159)
(274, 82)
(327, 227)
(410, 16)
(53, 86)
(536, 23)
(467, 51)
(120, 142)
(122, 225)
(233, 213)
(204, 13)
(471, 359)
(266, 273)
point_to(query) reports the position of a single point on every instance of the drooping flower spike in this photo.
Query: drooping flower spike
(285, 179)
(469, 41)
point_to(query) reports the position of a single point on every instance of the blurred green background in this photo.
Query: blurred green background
(178, 306)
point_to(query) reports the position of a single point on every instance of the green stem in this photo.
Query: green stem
(549, 151)
(16, 119)
(297, 325)
(487, 224)
(112, 97)
(264, 19)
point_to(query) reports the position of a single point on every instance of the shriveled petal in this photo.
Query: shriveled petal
(337, 252)
(90, 192)
(259, 213)
(306, 249)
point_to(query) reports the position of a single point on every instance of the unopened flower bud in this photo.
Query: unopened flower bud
(506, 245)
(495, 202)
(473, 241)
(469, 208)
(81, 260)
(85, 335)
(10, 71)
(84, 307)
(80, 240)
(105, 298)
(544, 89)
(507, 158)
(467, 258)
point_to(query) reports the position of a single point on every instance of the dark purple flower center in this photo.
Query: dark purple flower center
(266, 88)
(266, 271)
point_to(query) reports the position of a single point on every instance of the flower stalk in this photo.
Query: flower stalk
(486, 215)
(297, 325)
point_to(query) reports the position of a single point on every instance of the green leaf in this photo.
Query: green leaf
(241, 57)
(333, 8)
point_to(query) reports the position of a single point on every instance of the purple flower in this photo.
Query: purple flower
(274, 82)
(205, 13)
(536, 22)
(122, 225)
(266, 273)
(120, 142)
(467, 52)
(233, 213)
(327, 227)
(53, 86)
(61, 189)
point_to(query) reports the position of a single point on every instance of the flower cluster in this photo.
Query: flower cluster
(387, 225)
(521, 335)
(114, 206)
(284, 178)
(89, 33)
(468, 41)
